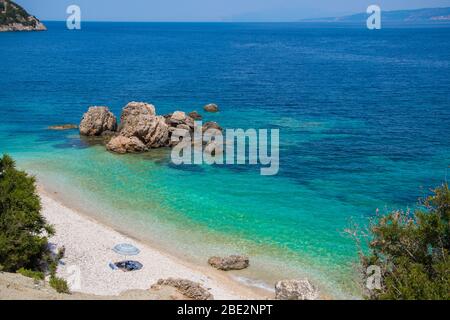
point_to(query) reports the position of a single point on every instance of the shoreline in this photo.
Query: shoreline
(88, 243)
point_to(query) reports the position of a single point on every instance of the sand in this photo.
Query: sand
(88, 251)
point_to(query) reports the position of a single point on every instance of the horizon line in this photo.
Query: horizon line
(300, 20)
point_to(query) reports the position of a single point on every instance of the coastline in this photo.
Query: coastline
(89, 244)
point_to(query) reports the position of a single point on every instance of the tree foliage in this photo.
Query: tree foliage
(412, 250)
(23, 230)
(11, 12)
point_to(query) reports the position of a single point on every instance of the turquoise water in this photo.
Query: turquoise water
(364, 121)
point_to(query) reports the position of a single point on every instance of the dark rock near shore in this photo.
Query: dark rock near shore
(96, 121)
(295, 290)
(233, 262)
(188, 288)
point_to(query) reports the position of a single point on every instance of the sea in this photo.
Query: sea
(363, 117)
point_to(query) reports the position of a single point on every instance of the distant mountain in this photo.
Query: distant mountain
(14, 18)
(428, 15)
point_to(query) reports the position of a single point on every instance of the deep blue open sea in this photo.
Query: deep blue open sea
(364, 120)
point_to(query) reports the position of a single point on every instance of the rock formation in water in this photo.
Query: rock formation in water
(211, 107)
(295, 290)
(14, 18)
(233, 262)
(140, 129)
(97, 121)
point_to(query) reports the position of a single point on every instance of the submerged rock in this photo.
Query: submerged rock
(96, 121)
(233, 262)
(188, 288)
(295, 290)
(211, 107)
(63, 127)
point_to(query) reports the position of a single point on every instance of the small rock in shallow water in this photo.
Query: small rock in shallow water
(211, 107)
(121, 144)
(63, 127)
(233, 262)
(295, 290)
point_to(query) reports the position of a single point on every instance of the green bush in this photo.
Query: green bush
(36, 275)
(412, 251)
(23, 230)
(60, 285)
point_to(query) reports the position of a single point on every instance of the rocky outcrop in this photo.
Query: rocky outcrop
(14, 18)
(295, 290)
(140, 129)
(135, 111)
(180, 118)
(188, 288)
(233, 262)
(97, 121)
(211, 107)
(179, 124)
(195, 115)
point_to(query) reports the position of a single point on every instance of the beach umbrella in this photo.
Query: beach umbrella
(126, 249)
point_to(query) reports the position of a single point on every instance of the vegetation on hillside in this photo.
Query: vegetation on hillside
(412, 251)
(23, 230)
(11, 12)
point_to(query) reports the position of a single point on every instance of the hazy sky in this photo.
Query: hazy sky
(214, 10)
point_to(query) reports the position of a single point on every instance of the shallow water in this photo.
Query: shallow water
(364, 121)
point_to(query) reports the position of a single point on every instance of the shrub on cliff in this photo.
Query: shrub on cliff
(60, 285)
(23, 230)
(412, 251)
